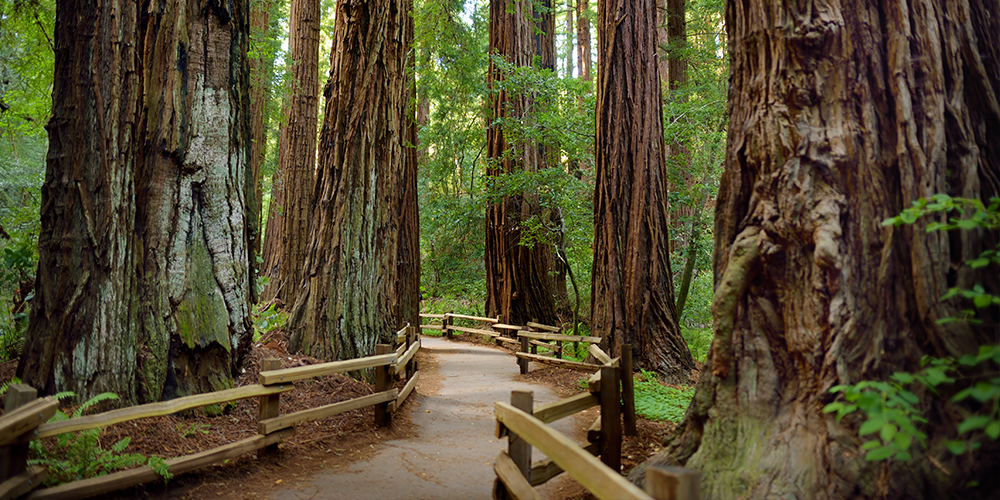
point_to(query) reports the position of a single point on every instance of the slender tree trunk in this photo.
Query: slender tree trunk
(662, 41)
(518, 286)
(583, 39)
(83, 334)
(195, 185)
(855, 111)
(632, 298)
(570, 33)
(144, 275)
(296, 156)
(351, 297)
(408, 275)
(260, 86)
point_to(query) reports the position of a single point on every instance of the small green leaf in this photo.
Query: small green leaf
(909, 397)
(903, 455)
(892, 221)
(887, 432)
(973, 423)
(967, 224)
(832, 407)
(956, 447)
(870, 444)
(902, 377)
(993, 430)
(870, 427)
(908, 216)
(982, 301)
(978, 263)
(903, 440)
(880, 453)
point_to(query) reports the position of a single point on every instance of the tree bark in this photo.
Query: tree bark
(570, 33)
(194, 186)
(583, 39)
(296, 157)
(260, 86)
(632, 298)
(518, 286)
(144, 274)
(841, 115)
(350, 301)
(82, 334)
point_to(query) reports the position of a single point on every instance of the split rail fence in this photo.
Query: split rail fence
(525, 340)
(596, 465)
(25, 419)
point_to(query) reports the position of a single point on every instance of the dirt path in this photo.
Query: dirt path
(451, 454)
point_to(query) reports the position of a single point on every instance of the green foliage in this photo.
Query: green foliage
(267, 319)
(6, 385)
(656, 401)
(890, 407)
(76, 456)
(190, 430)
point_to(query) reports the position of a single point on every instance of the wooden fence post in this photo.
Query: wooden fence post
(446, 325)
(412, 336)
(628, 391)
(611, 419)
(14, 459)
(383, 382)
(518, 449)
(673, 483)
(522, 362)
(268, 406)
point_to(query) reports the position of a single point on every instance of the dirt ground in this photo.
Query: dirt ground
(326, 445)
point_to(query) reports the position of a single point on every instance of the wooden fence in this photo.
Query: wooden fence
(25, 416)
(525, 340)
(525, 427)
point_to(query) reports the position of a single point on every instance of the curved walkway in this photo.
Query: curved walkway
(451, 453)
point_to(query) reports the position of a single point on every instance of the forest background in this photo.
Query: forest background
(450, 50)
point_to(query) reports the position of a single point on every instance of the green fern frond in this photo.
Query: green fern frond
(104, 396)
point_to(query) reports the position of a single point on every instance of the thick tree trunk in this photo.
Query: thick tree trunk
(351, 298)
(632, 298)
(584, 62)
(296, 157)
(518, 286)
(144, 275)
(83, 334)
(841, 114)
(195, 185)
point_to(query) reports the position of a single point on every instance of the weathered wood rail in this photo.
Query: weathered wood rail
(596, 465)
(25, 416)
(529, 338)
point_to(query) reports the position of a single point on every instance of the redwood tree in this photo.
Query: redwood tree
(350, 299)
(632, 299)
(291, 208)
(144, 270)
(840, 115)
(518, 286)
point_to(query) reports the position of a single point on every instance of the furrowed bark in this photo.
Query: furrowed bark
(349, 301)
(840, 116)
(632, 294)
(518, 286)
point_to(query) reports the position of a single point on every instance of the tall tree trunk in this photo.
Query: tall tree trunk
(408, 274)
(296, 156)
(632, 298)
(351, 295)
(583, 39)
(195, 185)
(662, 41)
(260, 86)
(856, 110)
(570, 33)
(145, 268)
(518, 286)
(82, 334)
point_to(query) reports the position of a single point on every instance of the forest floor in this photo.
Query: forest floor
(440, 444)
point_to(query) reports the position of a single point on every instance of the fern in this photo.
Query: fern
(77, 456)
